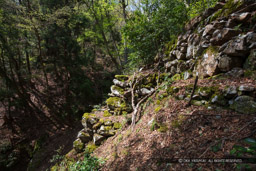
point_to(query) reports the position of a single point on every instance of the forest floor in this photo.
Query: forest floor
(187, 133)
(57, 145)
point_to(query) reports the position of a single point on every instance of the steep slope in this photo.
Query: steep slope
(219, 47)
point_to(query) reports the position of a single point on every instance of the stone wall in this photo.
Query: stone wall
(216, 42)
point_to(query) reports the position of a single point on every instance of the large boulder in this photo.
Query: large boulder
(227, 63)
(244, 105)
(208, 65)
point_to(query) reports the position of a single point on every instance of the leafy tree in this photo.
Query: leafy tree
(151, 25)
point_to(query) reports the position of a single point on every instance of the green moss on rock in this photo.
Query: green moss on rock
(149, 80)
(106, 114)
(228, 8)
(91, 147)
(88, 115)
(78, 145)
(117, 125)
(206, 91)
(157, 109)
(97, 125)
(107, 128)
(119, 89)
(122, 77)
(148, 86)
(115, 102)
(219, 99)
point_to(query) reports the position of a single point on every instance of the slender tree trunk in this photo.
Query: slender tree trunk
(40, 56)
(124, 5)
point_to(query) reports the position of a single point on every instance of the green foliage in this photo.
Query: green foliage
(57, 157)
(151, 26)
(89, 163)
(199, 6)
(247, 148)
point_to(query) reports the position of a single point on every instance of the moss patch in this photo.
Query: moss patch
(162, 127)
(117, 125)
(107, 128)
(228, 8)
(178, 122)
(122, 77)
(90, 147)
(114, 101)
(250, 74)
(78, 145)
(119, 89)
(157, 109)
(106, 114)
(88, 115)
